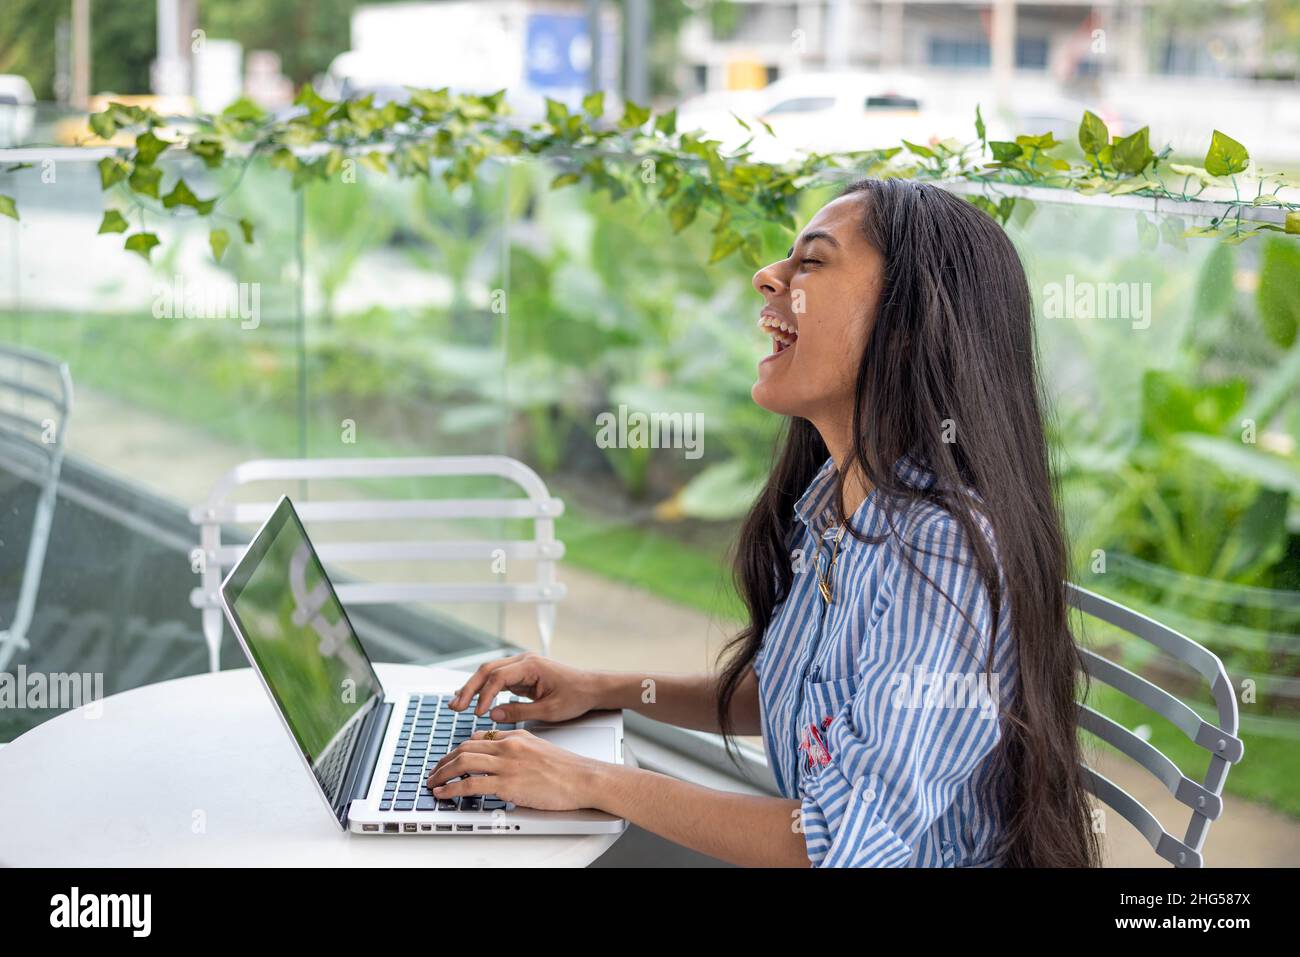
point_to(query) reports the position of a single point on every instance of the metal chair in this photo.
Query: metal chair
(1220, 740)
(538, 505)
(35, 402)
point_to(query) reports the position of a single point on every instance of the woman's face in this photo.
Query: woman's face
(819, 304)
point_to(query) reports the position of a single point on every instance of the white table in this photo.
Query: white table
(200, 771)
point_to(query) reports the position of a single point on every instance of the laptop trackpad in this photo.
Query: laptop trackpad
(595, 743)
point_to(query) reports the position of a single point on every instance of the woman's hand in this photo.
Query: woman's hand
(519, 767)
(559, 692)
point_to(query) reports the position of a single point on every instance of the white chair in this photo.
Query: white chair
(1219, 738)
(537, 505)
(35, 402)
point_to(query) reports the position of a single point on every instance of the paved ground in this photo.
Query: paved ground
(610, 625)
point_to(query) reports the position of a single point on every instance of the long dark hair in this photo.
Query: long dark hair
(948, 377)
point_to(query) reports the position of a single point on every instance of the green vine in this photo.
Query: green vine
(641, 152)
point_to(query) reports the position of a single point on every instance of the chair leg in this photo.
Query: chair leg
(212, 635)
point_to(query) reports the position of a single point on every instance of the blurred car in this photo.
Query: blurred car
(820, 112)
(17, 110)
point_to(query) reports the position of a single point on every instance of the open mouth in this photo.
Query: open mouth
(784, 334)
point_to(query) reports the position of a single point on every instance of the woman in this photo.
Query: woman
(907, 656)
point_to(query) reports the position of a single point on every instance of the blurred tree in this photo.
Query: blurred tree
(122, 42)
(307, 34)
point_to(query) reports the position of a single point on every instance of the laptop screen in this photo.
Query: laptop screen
(299, 637)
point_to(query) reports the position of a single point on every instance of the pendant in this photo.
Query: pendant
(824, 587)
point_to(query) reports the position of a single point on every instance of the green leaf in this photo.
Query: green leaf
(211, 151)
(146, 180)
(1293, 221)
(317, 106)
(103, 125)
(920, 150)
(633, 116)
(1171, 231)
(1093, 135)
(980, 130)
(182, 195)
(244, 109)
(284, 158)
(566, 179)
(666, 123)
(593, 104)
(1244, 461)
(246, 228)
(148, 148)
(1005, 152)
(113, 222)
(725, 243)
(1226, 156)
(557, 114)
(8, 207)
(141, 243)
(1277, 296)
(218, 239)
(1148, 232)
(682, 212)
(1132, 153)
(1043, 141)
(722, 491)
(112, 170)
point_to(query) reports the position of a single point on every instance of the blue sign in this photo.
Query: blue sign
(558, 51)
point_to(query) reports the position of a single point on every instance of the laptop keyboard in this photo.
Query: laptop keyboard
(331, 766)
(429, 730)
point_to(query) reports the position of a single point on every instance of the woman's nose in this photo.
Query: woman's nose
(768, 280)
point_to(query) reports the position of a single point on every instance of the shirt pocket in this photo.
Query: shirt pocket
(821, 700)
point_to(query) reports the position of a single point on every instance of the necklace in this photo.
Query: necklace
(824, 578)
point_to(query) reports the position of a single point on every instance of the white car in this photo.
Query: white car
(823, 112)
(17, 110)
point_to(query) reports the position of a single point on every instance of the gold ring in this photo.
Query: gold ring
(491, 735)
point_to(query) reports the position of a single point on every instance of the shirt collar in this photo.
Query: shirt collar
(816, 507)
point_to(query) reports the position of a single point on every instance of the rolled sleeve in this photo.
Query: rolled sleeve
(901, 747)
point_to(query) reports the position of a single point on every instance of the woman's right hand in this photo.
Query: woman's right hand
(559, 692)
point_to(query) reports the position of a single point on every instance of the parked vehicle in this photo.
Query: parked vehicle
(17, 110)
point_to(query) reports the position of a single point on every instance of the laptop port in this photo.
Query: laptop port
(369, 827)
(390, 828)
(409, 828)
(426, 827)
(464, 827)
(444, 827)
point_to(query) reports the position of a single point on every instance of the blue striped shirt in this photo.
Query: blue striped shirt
(880, 712)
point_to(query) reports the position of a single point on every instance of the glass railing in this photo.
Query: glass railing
(400, 319)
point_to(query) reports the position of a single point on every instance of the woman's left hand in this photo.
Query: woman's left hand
(519, 767)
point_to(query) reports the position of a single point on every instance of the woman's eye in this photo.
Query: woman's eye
(809, 262)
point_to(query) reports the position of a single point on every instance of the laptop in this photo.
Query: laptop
(369, 750)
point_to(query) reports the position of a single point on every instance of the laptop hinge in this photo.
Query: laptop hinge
(365, 758)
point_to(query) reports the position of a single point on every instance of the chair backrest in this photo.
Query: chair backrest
(1219, 739)
(35, 403)
(537, 505)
